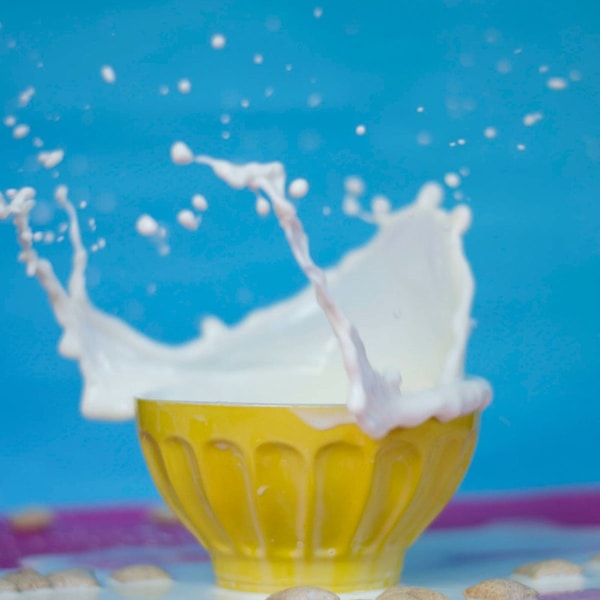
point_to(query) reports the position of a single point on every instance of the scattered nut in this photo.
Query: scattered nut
(594, 563)
(397, 593)
(303, 592)
(140, 574)
(406, 592)
(141, 581)
(27, 579)
(163, 515)
(499, 589)
(31, 520)
(73, 578)
(7, 586)
(548, 568)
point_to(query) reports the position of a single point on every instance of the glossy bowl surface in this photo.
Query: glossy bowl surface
(278, 502)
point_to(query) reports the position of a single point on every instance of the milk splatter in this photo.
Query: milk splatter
(408, 315)
(108, 74)
(532, 118)
(452, 180)
(51, 158)
(199, 202)
(184, 86)
(218, 41)
(557, 83)
(25, 96)
(146, 225)
(20, 131)
(298, 188)
(186, 218)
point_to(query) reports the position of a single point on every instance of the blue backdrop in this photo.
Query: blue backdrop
(534, 245)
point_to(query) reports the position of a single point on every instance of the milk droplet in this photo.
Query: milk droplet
(504, 66)
(199, 202)
(245, 103)
(258, 59)
(146, 225)
(226, 135)
(163, 90)
(557, 83)
(490, 132)
(10, 121)
(544, 69)
(288, 67)
(452, 180)
(38, 142)
(268, 92)
(25, 96)
(184, 86)
(420, 109)
(317, 12)
(532, 118)
(461, 141)
(298, 188)
(186, 218)
(181, 154)
(225, 119)
(20, 131)
(360, 130)
(262, 206)
(424, 138)
(351, 206)
(381, 205)
(521, 147)
(218, 41)
(51, 158)
(326, 211)
(108, 74)
(575, 75)
(314, 100)
(354, 185)
(464, 171)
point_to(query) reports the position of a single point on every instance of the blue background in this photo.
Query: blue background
(534, 245)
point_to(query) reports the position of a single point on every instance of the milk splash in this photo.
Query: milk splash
(409, 291)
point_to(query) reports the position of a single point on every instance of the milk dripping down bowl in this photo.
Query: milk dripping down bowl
(278, 502)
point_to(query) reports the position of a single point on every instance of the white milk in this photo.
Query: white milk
(384, 332)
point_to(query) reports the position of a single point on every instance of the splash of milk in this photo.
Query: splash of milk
(408, 292)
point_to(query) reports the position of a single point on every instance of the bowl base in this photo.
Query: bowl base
(266, 575)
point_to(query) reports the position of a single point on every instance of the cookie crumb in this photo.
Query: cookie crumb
(407, 592)
(73, 578)
(549, 568)
(500, 589)
(147, 582)
(7, 586)
(303, 592)
(27, 579)
(162, 515)
(594, 563)
(140, 574)
(31, 519)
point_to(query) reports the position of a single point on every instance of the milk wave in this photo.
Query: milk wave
(402, 302)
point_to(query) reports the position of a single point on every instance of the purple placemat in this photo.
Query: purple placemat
(85, 530)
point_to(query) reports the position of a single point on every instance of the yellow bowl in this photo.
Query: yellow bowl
(277, 502)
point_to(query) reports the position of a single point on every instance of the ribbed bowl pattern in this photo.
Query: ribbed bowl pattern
(278, 503)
